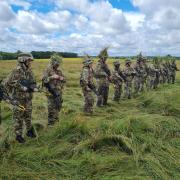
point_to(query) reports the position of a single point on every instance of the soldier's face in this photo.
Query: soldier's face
(28, 62)
(91, 65)
(56, 66)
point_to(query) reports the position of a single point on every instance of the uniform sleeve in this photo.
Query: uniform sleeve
(99, 72)
(12, 81)
(85, 76)
(61, 74)
(46, 76)
(33, 80)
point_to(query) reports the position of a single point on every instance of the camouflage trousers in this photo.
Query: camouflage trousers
(53, 111)
(88, 101)
(161, 79)
(138, 84)
(117, 92)
(151, 82)
(173, 77)
(22, 117)
(103, 92)
(164, 79)
(156, 82)
(0, 114)
(128, 89)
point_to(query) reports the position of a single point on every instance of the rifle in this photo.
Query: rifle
(5, 97)
(93, 88)
(107, 71)
(28, 84)
(56, 94)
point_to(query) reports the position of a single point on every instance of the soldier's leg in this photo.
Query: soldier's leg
(129, 90)
(136, 85)
(140, 85)
(100, 95)
(125, 90)
(51, 110)
(18, 117)
(105, 94)
(28, 119)
(148, 83)
(28, 115)
(173, 77)
(89, 102)
(117, 93)
(0, 114)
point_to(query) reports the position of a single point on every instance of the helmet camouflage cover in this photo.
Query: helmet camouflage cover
(87, 60)
(139, 57)
(55, 59)
(128, 61)
(23, 57)
(103, 53)
(116, 63)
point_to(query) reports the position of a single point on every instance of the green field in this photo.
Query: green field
(135, 139)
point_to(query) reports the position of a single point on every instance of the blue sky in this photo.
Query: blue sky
(127, 26)
(125, 5)
(45, 6)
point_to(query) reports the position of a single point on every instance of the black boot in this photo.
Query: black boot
(20, 139)
(31, 133)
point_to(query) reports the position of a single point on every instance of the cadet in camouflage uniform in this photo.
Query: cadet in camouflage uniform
(129, 74)
(87, 84)
(23, 93)
(103, 77)
(151, 80)
(161, 77)
(173, 69)
(53, 80)
(164, 72)
(117, 80)
(145, 70)
(1, 98)
(139, 77)
(158, 71)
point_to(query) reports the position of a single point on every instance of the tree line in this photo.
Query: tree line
(36, 55)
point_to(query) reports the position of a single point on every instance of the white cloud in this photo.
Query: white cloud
(86, 26)
(6, 13)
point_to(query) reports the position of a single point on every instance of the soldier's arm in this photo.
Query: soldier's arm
(62, 76)
(107, 70)
(47, 76)
(12, 81)
(85, 77)
(99, 72)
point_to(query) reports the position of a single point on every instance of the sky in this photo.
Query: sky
(127, 27)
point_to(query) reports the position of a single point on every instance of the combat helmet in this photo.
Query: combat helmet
(128, 61)
(103, 54)
(87, 60)
(139, 57)
(55, 59)
(116, 63)
(23, 57)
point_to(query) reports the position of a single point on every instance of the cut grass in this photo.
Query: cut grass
(135, 139)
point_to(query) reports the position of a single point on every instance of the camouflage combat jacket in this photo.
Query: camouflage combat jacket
(129, 74)
(13, 82)
(102, 73)
(152, 71)
(117, 77)
(53, 83)
(86, 78)
(140, 71)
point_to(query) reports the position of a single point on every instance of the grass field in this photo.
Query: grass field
(135, 139)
